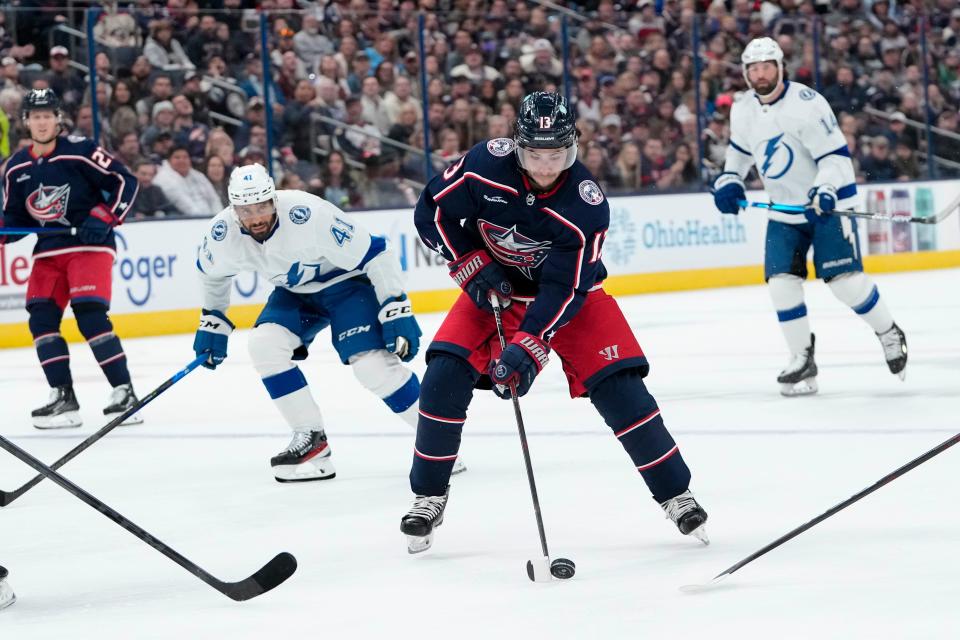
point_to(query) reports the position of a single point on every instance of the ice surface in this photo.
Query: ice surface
(197, 476)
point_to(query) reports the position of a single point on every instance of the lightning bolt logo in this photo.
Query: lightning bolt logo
(773, 145)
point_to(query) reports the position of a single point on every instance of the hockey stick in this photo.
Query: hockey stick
(40, 231)
(266, 578)
(916, 462)
(6, 497)
(561, 567)
(942, 215)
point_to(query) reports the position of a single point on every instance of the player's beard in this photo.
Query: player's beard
(261, 232)
(765, 89)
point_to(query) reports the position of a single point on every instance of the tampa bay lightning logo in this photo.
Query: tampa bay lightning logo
(299, 214)
(807, 94)
(219, 230)
(298, 274)
(512, 248)
(777, 159)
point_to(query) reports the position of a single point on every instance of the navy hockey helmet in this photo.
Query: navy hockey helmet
(40, 100)
(546, 122)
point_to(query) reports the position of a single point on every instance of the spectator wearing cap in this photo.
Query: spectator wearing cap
(162, 118)
(898, 131)
(163, 50)
(474, 68)
(158, 146)
(186, 131)
(192, 89)
(542, 61)
(410, 65)
(645, 22)
(877, 165)
(610, 134)
(151, 201)
(309, 43)
(359, 69)
(187, 189)
(161, 89)
(845, 95)
(67, 83)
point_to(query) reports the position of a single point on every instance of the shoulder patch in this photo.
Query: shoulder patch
(219, 230)
(73, 138)
(590, 192)
(807, 94)
(299, 214)
(500, 147)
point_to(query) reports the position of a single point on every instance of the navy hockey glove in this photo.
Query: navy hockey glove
(478, 275)
(520, 362)
(823, 201)
(401, 333)
(212, 337)
(728, 191)
(96, 228)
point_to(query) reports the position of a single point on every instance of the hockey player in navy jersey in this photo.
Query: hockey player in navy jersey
(522, 219)
(61, 182)
(789, 131)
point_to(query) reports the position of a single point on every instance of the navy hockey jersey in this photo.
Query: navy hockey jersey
(550, 242)
(61, 188)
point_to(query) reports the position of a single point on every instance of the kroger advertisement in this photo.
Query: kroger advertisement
(155, 266)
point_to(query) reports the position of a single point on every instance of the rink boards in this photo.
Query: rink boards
(655, 243)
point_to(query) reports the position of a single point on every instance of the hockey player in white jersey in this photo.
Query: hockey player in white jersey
(328, 271)
(790, 133)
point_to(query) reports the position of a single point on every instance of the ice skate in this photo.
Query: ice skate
(121, 399)
(62, 411)
(7, 597)
(799, 378)
(895, 350)
(689, 516)
(306, 458)
(419, 523)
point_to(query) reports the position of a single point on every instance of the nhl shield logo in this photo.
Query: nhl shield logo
(500, 147)
(590, 192)
(512, 248)
(47, 204)
(299, 214)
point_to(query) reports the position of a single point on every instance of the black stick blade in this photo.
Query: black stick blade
(271, 575)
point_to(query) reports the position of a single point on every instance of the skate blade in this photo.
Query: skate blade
(129, 422)
(700, 533)
(419, 544)
(902, 374)
(68, 420)
(806, 387)
(458, 467)
(316, 469)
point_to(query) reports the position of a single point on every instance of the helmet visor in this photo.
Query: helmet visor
(546, 161)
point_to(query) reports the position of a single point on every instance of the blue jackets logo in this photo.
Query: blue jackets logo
(512, 248)
(219, 230)
(47, 204)
(299, 214)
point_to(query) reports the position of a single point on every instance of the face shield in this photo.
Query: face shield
(546, 162)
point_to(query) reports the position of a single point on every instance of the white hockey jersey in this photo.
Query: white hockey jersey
(314, 245)
(796, 145)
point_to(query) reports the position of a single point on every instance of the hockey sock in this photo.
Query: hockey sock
(271, 348)
(628, 408)
(386, 377)
(786, 291)
(50, 345)
(858, 291)
(445, 394)
(96, 327)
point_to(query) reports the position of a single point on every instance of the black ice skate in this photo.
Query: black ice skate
(800, 376)
(689, 516)
(306, 458)
(121, 399)
(7, 596)
(895, 350)
(424, 516)
(62, 411)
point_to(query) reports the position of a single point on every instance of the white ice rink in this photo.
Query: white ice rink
(197, 476)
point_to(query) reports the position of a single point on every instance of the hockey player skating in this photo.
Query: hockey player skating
(7, 597)
(789, 131)
(61, 182)
(328, 271)
(523, 219)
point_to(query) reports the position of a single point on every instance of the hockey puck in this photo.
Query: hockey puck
(562, 568)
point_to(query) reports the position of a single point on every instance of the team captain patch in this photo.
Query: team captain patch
(500, 147)
(590, 192)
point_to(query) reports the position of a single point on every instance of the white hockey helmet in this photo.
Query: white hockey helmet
(251, 184)
(762, 50)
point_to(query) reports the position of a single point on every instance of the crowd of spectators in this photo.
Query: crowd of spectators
(180, 87)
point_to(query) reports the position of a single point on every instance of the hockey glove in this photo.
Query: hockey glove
(478, 275)
(520, 362)
(401, 333)
(823, 202)
(97, 226)
(212, 337)
(728, 191)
